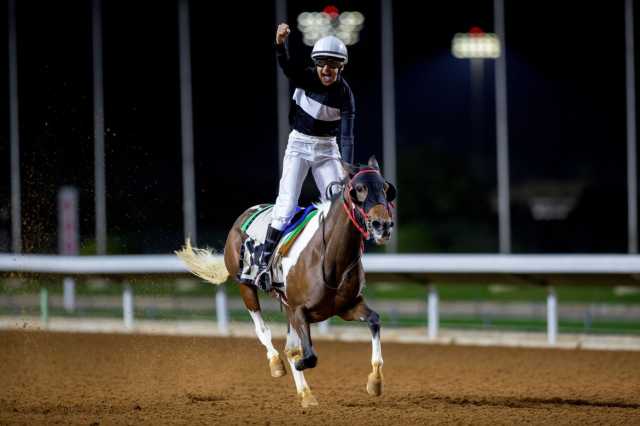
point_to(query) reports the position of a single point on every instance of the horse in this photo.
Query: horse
(323, 272)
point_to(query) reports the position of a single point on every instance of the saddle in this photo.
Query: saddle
(255, 226)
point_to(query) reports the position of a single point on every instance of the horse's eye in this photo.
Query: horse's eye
(359, 188)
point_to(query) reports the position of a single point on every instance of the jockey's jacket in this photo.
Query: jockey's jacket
(318, 110)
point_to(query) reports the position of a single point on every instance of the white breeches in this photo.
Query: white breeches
(321, 155)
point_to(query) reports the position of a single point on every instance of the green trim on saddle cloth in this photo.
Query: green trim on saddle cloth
(291, 236)
(261, 209)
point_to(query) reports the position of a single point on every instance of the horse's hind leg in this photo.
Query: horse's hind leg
(250, 297)
(294, 353)
(361, 312)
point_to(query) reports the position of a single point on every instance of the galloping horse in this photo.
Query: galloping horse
(323, 272)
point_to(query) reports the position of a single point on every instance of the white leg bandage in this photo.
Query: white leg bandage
(376, 350)
(264, 333)
(294, 345)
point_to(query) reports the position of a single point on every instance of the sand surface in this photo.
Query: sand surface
(105, 379)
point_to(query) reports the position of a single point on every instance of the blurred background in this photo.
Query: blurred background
(567, 96)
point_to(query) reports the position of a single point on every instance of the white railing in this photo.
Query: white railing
(545, 270)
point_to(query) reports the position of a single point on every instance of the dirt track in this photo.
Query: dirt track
(90, 379)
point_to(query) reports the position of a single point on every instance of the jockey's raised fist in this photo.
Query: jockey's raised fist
(282, 33)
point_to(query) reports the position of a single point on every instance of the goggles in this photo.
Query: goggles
(331, 63)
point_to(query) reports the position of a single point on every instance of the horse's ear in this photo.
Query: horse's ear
(390, 191)
(373, 162)
(349, 169)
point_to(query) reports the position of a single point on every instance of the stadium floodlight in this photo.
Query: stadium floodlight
(475, 44)
(315, 25)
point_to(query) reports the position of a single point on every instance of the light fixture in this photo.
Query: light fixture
(475, 44)
(315, 25)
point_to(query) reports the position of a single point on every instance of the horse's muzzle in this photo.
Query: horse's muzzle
(381, 230)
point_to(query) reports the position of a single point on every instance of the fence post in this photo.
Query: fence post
(127, 306)
(44, 306)
(432, 312)
(222, 311)
(68, 238)
(552, 315)
(69, 294)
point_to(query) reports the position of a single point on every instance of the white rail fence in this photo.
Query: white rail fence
(542, 270)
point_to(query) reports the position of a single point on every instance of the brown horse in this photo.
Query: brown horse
(323, 272)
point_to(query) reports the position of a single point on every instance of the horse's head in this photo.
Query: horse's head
(371, 197)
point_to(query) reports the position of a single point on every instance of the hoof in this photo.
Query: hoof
(307, 399)
(308, 362)
(374, 385)
(277, 367)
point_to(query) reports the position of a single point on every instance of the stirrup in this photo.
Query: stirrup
(263, 280)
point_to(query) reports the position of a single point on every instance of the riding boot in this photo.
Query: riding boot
(263, 278)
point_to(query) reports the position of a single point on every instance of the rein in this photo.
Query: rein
(324, 250)
(351, 209)
(351, 214)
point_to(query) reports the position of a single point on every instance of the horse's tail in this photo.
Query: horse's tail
(203, 263)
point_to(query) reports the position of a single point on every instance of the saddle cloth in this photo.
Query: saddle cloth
(255, 226)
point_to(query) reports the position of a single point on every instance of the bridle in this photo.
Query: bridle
(359, 219)
(356, 214)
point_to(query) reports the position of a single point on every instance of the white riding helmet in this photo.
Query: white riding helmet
(330, 46)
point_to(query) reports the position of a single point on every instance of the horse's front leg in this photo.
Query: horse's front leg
(294, 353)
(361, 312)
(250, 297)
(298, 320)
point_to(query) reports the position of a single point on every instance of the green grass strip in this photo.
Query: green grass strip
(600, 326)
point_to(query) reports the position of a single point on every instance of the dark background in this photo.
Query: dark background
(566, 94)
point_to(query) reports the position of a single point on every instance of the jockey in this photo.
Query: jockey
(321, 117)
